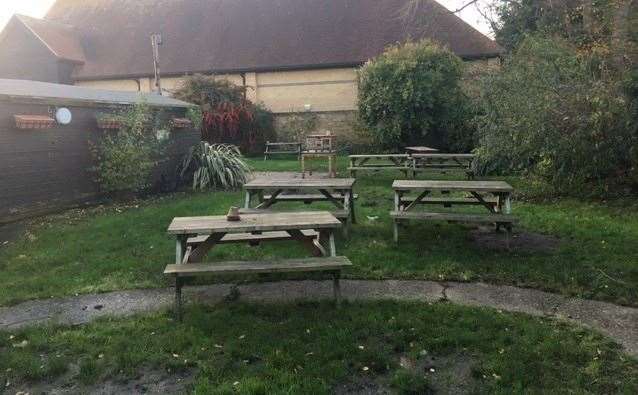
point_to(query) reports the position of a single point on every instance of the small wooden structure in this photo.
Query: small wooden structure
(338, 191)
(320, 146)
(197, 235)
(499, 207)
(46, 165)
(282, 149)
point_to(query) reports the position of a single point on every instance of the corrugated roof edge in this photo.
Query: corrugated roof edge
(45, 92)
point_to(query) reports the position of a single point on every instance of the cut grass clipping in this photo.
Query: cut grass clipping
(315, 348)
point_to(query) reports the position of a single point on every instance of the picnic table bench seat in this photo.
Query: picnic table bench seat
(451, 201)
(252, 238)
(306, 198)
(455, 217)
(332, 265)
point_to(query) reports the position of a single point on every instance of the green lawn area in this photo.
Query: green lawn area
(125, 246)
(313, 348)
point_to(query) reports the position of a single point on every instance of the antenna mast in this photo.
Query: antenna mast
(156, 41)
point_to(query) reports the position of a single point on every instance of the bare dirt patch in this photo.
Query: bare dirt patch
(363, 385)
(147, 382)
(487, 238)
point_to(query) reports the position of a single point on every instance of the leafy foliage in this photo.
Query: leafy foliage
(583, 23)
(215, 166)
(411, 94)
(555, 114)
(227, 116)
(125, 159)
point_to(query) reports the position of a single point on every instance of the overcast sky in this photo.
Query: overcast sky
(37, 8)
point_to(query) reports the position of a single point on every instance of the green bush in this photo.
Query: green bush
(555, 114)
(125, 159)
(411, 94)
(215, 166)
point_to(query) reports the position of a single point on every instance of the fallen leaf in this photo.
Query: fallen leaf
(22, 344)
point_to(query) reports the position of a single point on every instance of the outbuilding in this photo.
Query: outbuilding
(45, 135)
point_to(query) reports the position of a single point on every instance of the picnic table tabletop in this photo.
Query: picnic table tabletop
(476, 186)
(254, 223)
(444, 156)
(380, 156)
(421, 149)
(301, 183)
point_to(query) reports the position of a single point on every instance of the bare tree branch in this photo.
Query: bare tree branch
(464, 6)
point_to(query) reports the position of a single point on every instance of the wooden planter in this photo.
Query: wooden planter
(34, 122)
(109, 124)
(182, 123)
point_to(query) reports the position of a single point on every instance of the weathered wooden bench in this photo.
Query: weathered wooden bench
(443, 163)
(332, 265)
(379, 162)
(452, 201)
(306, 198)
(252, 238)
(282, 149)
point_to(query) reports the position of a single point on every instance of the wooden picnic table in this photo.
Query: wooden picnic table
(494, 196)
(338, 191)
(376, 162)
(443, 163)
(196, 236)
(216, 227)
(420, 150)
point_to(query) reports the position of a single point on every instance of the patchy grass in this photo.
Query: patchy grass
(121, 247)
(315, 348)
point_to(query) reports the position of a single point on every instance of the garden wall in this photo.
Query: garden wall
(49, 169)
(341, 123)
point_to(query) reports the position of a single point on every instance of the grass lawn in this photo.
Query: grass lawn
(313, 348)
(121, 247)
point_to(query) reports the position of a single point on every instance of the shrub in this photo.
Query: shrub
(411, 94)
(227, 116)
(215, 166)
(126, 158)
(553, 115)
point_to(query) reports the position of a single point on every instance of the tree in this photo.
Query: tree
(551, 113)
(411, 94)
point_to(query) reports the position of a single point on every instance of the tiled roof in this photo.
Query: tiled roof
(63, 40)
(253, 35)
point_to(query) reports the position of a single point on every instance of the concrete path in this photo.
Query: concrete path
(619, 323)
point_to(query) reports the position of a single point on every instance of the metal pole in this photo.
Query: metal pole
(156, 41)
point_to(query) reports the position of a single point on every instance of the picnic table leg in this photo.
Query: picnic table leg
(178, 298)
(180, 248)
(395, 222)
(247, 200)
(331, 166)
(333, 247)
(303, 166)
(352, 213)
(337, 288)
